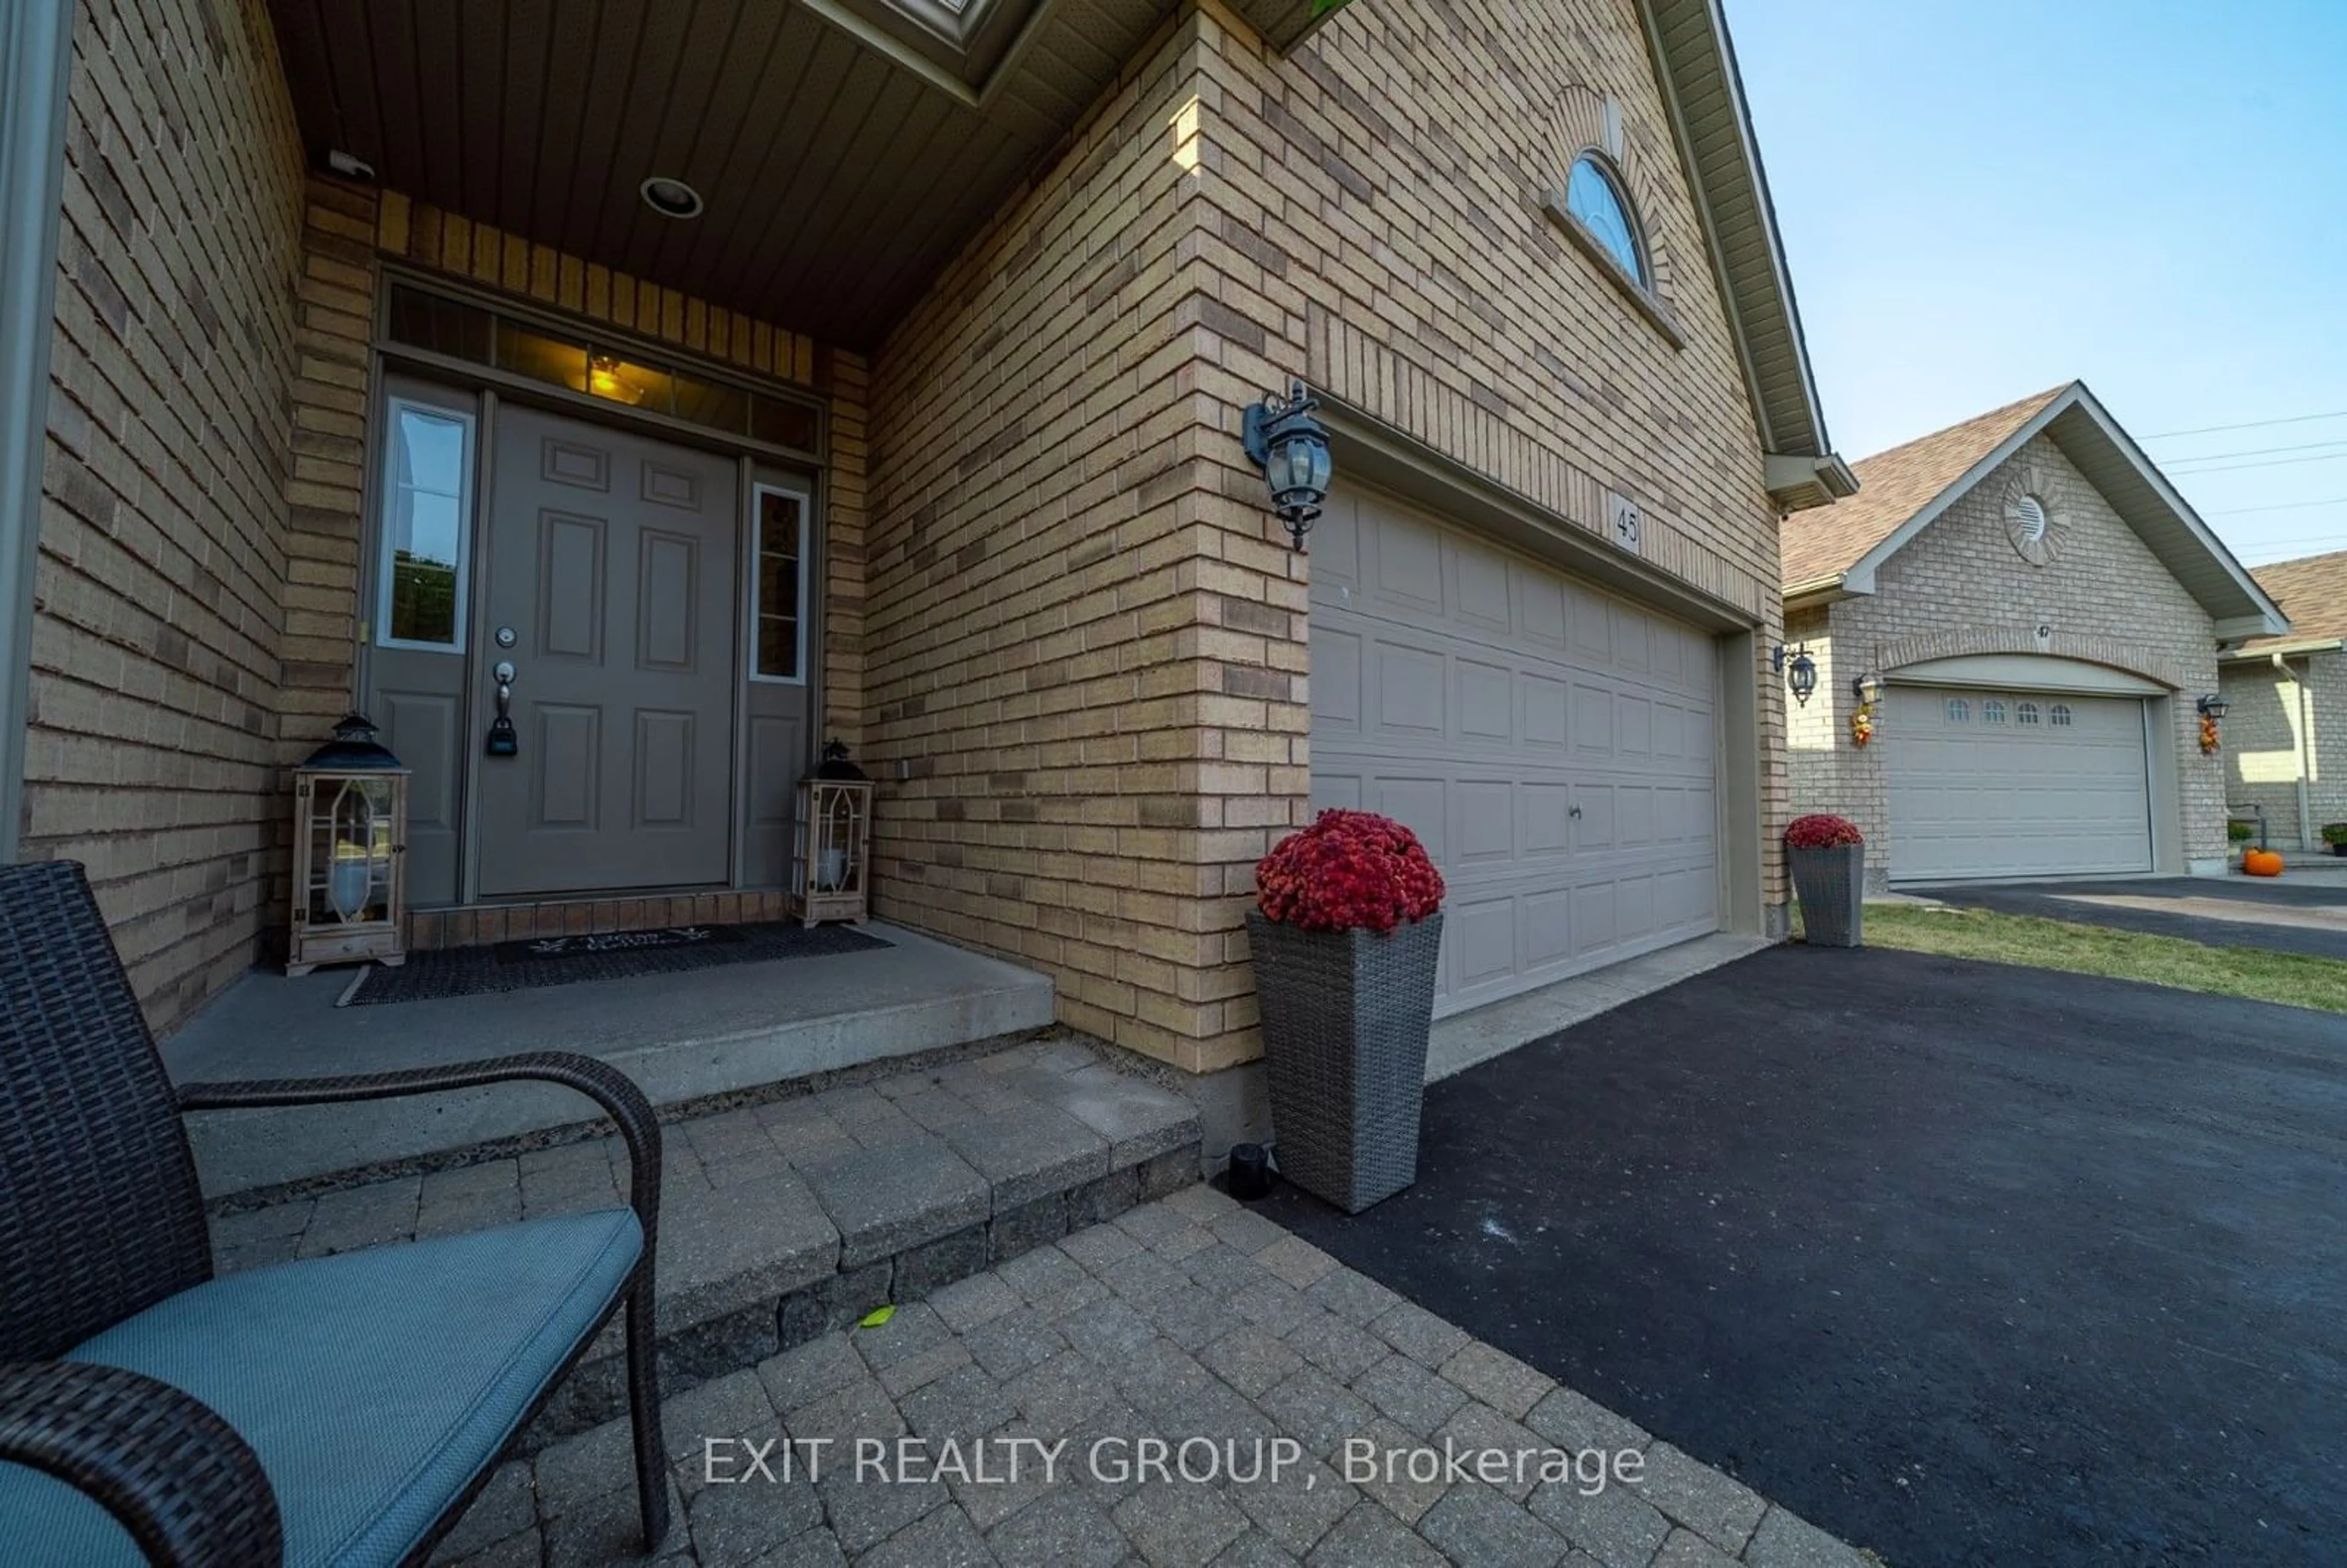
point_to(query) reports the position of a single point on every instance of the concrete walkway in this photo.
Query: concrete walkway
(682, 1038)
(1187, 1320)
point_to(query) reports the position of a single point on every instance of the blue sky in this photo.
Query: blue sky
(1982, 199)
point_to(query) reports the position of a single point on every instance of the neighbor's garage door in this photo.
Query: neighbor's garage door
(1550, 743)
(2016, 784)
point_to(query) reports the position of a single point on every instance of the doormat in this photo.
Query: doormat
(528, 965)
(525, 948)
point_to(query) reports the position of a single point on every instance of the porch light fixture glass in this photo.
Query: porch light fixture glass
(1291, 448)
(350, 852)
(1799, 670)
(2212, 706)
(671, 197)
(834, 841)
(1868, 689)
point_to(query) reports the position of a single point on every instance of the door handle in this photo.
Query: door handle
(504, 740)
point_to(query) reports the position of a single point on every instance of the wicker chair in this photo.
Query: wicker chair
(336, 1411)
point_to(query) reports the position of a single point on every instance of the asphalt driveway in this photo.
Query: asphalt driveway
(1966, 1263)
(2279, 916)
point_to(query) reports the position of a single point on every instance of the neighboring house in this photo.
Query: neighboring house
(2286, 732)
(2045, 613)
(748, 374)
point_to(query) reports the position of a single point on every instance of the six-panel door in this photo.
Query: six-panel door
(611, 570)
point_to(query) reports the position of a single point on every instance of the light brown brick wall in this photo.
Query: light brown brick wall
(1036, 632)
(1086, 638)
(157, 621)
(2281, 726)
(1959, 587)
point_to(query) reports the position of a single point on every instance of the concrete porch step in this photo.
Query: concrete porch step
(683, 1038)
(784, 1221)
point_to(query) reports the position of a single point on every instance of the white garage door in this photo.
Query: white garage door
(1550, 744)
(2016, 784)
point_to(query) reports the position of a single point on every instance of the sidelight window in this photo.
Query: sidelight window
(778, 586)
(427, 502)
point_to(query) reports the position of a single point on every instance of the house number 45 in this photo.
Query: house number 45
(1624, 512)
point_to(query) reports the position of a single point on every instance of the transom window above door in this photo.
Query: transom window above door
(457, 329)
(778, 586)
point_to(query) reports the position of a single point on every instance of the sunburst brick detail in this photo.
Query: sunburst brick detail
(2035, 521)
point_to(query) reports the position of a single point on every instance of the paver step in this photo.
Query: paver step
(783, 1221)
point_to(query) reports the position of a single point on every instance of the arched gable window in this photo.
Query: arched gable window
(1592, 196)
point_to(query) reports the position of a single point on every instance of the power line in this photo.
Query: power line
(2261, 463)
(2280, 506)
(2259, 451)
(2247, 424)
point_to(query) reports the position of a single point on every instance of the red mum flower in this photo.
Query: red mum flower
(1349, 871)
(1821, 831)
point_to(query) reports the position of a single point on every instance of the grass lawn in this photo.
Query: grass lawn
(2297, 980)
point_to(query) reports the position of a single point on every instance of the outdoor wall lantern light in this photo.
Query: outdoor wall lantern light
(2213, 706)
(1291, 448)
(1799, 670)
(1868, 689)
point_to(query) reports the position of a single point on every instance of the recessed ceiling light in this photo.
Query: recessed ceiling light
(671, 197)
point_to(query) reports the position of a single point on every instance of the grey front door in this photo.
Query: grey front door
(610, 591)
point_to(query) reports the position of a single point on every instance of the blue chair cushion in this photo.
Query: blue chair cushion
(373, 1386)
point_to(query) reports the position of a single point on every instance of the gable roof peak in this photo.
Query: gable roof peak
(1894, 486)
(1834, 551)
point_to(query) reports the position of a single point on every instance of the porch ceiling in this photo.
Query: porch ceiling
(845, 148)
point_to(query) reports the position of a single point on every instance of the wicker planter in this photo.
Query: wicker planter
(1345, 1021)
(1832, 886)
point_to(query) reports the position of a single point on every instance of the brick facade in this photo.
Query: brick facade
(2282, 727)
(158, 617)
(1959, 587)
(1086, 639)
(1059, 623)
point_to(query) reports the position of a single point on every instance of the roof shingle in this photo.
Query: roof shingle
(2312, 591)
(1894, 486)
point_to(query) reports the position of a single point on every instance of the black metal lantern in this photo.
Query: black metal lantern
(1291, 448)
(2212, 706)
(1800, 671)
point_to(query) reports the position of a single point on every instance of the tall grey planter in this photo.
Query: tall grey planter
(1345, 1021)
(1832, 886)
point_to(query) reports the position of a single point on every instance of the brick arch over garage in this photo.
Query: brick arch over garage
(2133, 658)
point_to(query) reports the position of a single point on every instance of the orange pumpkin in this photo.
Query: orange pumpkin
(2262, 863)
